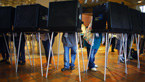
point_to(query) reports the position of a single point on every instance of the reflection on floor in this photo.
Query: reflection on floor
(115, 72)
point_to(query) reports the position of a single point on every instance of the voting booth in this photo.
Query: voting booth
(65, 16)
(111, 17)
(6, 18)
(30, 18)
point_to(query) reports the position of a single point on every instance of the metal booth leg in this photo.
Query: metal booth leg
(50, 49)
(137, 45)
(7, 47)
(125, 52)
(33, 48)
(132, 39)
(90, 52)
(109, 42)
(58, 52)
(120, 50)
(40, 54)
(78, 56)
(28, 50)
(10, 49)
(82, 53)
(106, 46)
(14, 51)
(18, 51)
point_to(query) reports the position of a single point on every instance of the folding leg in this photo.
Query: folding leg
(120, 50)
(40, 54)
(132, 39)
(14, 51)
(50, 48)
(106, 46)
(125, 52)
(10, 49)
(7, 47)
(33, 48)
(58, 52)
(82, 54)
(109, 43)
(18, 51)
(90, 52)
(78, 56)
(137, 45)
(28, 50)
(52, 51)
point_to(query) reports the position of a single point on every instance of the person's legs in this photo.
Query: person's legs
(2, 50)
(94, 53)
(22, 50)
(112, 43)
(141, 46)
(91, 61)
(6, 50)
(16, 45)
(91, 64)
(46, 45)
(73, 56)
(66, 58)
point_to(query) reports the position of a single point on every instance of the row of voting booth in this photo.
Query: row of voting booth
(66, 16)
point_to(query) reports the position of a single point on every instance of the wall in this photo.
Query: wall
(86, 19)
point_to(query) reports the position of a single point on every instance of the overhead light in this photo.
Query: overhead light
(139, 1)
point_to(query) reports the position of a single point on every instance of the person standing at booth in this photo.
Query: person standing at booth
(96, 44)
(46, 44)
(69, 41)
(3, 49)
(21, 60)
(117, 46)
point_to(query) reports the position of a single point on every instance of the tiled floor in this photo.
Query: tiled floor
(115, 71)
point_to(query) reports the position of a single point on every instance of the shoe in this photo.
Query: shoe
(63, 69)
(19, 63)
(126, 59)
(131, 58)
(141, 54)
(121, 60)
(7, 62)
(45, 65)
(23, 63)
(93, 69)
(113, 51)
(96, 66)
(50, 65)
(72, 67)
(2, 61)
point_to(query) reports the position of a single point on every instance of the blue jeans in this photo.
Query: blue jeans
(66, 56)
(92, 57)
(46, 45)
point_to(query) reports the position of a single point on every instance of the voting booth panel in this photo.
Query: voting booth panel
(6, 18)
(111, 17)
(30, 18)
(65, 16)
(135, 17)
(143, 22)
